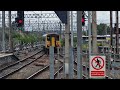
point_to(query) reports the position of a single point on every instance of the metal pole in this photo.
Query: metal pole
(89, 32)
(60, 29)
(79, 44)
(71, 50)
(51, 62)
(71, 63)
(111, 41)
(72, 36)
(106, 49)
(67, 44)
(94, 32)
(38, 24)
(58, 60)
(32, 28)
(63, 61)
(103, 47)
(117, 34)
(10, 32)
(3, 31)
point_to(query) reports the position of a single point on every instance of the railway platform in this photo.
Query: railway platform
(5, 54)
(7, 58)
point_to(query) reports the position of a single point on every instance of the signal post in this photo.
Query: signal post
(67, 46)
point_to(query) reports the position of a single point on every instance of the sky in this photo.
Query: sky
(104, 17)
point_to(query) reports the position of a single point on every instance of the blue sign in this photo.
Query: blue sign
(62, 16)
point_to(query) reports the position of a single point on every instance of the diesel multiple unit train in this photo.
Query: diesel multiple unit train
(51, 39)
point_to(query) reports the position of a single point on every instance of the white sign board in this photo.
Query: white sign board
(97, 66)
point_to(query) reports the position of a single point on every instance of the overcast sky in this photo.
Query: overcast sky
(104, 16)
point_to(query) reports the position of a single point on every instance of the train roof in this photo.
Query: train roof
(49, 34)
(44, 35)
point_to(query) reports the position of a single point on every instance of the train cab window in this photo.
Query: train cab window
(57, 38)
(48, 38)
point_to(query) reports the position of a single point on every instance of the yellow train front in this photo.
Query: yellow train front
(52, 40)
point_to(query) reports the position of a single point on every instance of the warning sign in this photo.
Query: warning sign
(97, 66)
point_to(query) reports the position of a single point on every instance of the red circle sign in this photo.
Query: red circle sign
(99, 61)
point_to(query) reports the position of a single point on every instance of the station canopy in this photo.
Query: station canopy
(62, 16)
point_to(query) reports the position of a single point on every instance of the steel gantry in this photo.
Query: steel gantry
(42, 20)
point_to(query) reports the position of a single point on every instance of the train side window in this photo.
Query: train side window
(48, 38)
(57, 38)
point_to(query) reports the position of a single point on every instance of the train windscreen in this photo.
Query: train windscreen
(48, 38)
(57, 38)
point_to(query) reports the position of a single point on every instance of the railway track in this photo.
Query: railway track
(4, 74)
(38, 72)
(19, 61)
(75, 70)
(15, 67)
(58, 72)
(10, 71)
(44, 73)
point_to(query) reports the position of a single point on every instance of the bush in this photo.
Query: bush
(25, 38)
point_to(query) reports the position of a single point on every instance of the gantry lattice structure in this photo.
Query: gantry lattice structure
(39, 20)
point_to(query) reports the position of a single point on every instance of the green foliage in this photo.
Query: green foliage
(16, 35)
(32, 38)
(99, 44)
(103, 29)
(84, 33)
(75, 41)
(39, 38)
(84, 46)
(62, 41)
(25, 38)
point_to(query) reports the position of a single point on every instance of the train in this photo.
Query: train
(51, 39)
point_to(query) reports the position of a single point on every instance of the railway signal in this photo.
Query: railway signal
(20, 15)
(83, 18)
(20, 20)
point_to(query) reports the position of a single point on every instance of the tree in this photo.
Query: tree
(103, 29)
(108, 30)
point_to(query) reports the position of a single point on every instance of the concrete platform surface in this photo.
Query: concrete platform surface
(5, 54)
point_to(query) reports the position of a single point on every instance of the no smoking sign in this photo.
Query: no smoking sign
(97, 66)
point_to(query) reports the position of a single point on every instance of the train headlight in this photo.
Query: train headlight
(57, 44)
(48, 44)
